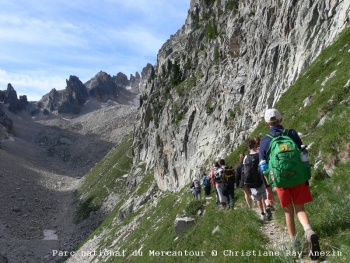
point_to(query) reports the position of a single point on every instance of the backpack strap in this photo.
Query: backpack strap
(285, 132)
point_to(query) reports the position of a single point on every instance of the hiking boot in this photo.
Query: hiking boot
(263, 216)
(268, 213)
(314, 249)
(272, 208)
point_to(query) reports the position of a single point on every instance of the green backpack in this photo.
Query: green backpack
(285, 166)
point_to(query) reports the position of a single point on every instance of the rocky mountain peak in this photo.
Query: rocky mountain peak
(74, 96)
(9, 97)
(121, 80)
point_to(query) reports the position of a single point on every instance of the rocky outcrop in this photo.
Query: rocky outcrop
(135, 82)
(74, 97)
(183, 224)
(103, 87)
(134, 204)
(9, 97)
(219, 72)
(54, 99)
(121, 80)
(6, 124)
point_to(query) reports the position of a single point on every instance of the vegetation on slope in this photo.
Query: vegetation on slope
(317, 105)
(105, 179)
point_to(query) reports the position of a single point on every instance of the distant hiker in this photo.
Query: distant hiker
(229, 175)
(219, 184)
(254, 180)
(196, 188)
(216, 166)
(206, 184)
(240, 180)
(289, 196)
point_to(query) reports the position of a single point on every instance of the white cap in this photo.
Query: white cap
(273, 114)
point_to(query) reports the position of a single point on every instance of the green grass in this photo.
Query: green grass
(157, 233)
(105, 179)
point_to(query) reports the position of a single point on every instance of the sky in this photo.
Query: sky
(43, 42)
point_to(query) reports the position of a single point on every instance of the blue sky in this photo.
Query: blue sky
(43, 42)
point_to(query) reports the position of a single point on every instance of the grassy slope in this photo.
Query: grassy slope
(240, 229)
(105, 178)
(329, 143)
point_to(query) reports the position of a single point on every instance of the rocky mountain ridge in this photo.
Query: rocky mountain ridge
(216, 76)
(102, 88)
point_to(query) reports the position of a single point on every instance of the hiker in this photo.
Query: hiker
(240, 180)
(291, 196)
(253, 179)
(219, 184)
(229, 175)
(206, 184)
(212, 175)
(196, 189)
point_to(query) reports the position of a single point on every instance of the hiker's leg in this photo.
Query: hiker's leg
(260, 205)
(247, 194)
(285, 196)
(264, 204)
(289, 214)
(219, 188)
(230, 196)
(301, 194)
(302, 216)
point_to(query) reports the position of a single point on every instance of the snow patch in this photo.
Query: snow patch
(50, 235)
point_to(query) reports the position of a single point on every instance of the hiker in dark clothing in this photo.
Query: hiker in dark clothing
(240, 181)
(206, 184)
(229, 182)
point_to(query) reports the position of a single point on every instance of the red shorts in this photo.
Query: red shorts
(300, 195)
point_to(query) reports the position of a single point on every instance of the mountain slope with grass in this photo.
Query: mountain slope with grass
(216, 76)
(140, 228)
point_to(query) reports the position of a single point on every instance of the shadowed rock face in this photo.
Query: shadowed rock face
(103, 87)
(9, 97)
(74, 97)
(6, 123)
(230, 75)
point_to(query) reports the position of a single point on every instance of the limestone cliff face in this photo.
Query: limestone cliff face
(219, 72)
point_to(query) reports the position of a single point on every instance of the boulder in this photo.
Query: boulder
(183, 224)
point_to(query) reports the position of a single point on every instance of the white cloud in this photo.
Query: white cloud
(32, 85)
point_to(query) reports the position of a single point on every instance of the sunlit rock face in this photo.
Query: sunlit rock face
(217, 75)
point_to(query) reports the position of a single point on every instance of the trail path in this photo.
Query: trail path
(279, 239)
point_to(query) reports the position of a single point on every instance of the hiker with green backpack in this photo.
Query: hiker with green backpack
(280, 161)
